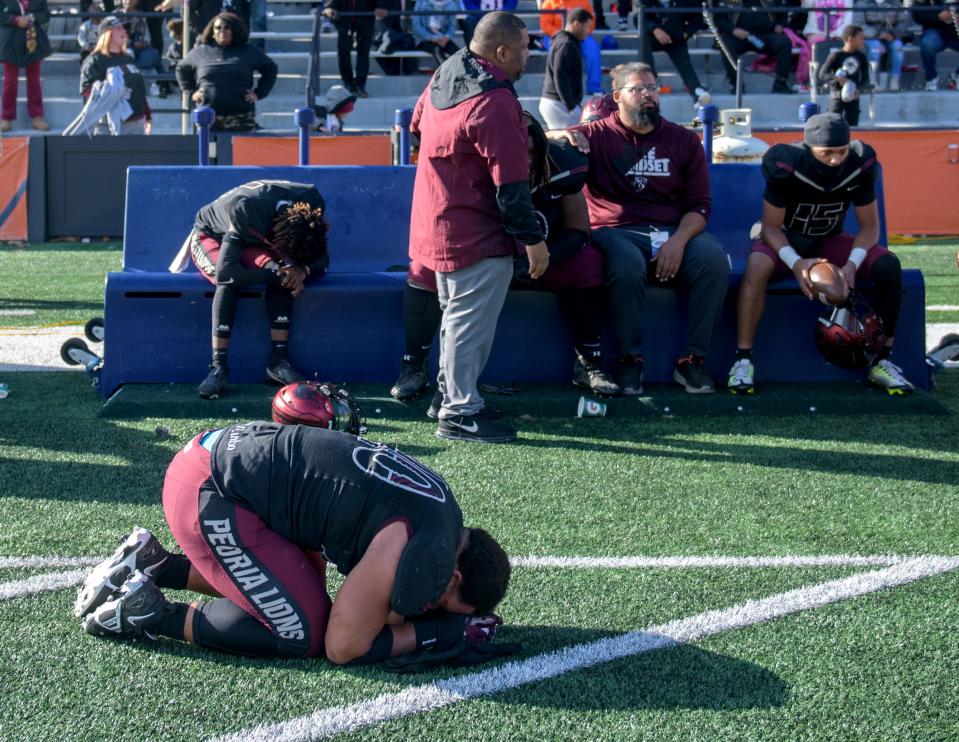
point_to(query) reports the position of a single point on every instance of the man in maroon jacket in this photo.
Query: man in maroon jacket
(649, 199)
(472, 210)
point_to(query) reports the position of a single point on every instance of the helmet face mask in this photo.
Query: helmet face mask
(850, 335)
(319, 405)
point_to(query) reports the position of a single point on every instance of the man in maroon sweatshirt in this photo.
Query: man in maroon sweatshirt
(472, 211)
(649, 199)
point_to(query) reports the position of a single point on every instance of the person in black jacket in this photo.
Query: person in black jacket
(940, 30)
(846, 71)
(219, 73)
(670, 32)
(23, 43)
(756, 29)
(563, 82)
(358, 27)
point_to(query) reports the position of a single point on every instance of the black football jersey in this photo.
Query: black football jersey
(332, 492)
(816, 203)
(568, 170)
(252, 208)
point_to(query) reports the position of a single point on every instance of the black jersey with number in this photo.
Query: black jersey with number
(816, 201)
(332, 492)
(252, 207)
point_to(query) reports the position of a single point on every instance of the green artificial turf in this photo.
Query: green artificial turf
(54, 283)
(937, 261)
(863, 474)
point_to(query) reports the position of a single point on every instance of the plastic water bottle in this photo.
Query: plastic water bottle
(4, 391)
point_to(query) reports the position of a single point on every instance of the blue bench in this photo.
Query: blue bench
(347, 326)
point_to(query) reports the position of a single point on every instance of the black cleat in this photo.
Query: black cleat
(138, 551)
(412, 380)
(135, 611)
(476, 429)
(591, 377)
(215, 382)
(283, 373)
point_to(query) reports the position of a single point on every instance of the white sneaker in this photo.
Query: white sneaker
(894, 84)
(741, 377)
(932, 85)
(154, 89)
(887, 375)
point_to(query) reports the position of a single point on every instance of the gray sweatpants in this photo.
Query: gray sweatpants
(703, 275)
(471, 300)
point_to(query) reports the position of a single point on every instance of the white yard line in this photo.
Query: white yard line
(45, 561)
(422, 698)
(41, 583)
(697, 562)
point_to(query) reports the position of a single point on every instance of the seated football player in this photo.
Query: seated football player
(810, 186)
(575, 273)
(268, 232)
(259, 510)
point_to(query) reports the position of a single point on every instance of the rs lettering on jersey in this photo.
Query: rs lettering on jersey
(816, 220)
(399, 470)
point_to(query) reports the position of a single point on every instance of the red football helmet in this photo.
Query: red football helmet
(321, 405)
(850, 335)
(598, 107)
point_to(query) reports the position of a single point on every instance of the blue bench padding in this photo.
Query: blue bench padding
(347, 326)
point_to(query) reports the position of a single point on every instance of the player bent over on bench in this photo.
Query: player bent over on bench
(269, 232)
(809, 188)
(259, 509)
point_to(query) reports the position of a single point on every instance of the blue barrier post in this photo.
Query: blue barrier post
(806, 110)
(305, 118)
(203, 118)
(401, 120)
(709, 115)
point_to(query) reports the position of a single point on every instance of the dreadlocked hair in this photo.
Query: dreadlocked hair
(300, 232)
(539, 170)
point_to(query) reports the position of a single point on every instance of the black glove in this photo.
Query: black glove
(464, 654)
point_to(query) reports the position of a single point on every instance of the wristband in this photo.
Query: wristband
(788, 255)
(857, 255)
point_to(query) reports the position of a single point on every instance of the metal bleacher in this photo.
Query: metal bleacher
(288, 42)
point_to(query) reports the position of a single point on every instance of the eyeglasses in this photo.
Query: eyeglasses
(636, 89)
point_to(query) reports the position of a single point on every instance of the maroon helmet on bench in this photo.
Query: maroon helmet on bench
(850, 335)
(598, 107)
(321, 405)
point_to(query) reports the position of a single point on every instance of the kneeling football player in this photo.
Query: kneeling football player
(259, 509)
(268, 232)
(809, 188)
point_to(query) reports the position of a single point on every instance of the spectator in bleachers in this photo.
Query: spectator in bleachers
(810, 186)
(670, 33)
(575, 273)
(23, 44)
(111, 51)
(822, 22)
(144, 54)
(88, 33)
(269, 232)
(472, 209)
(563, 82)
(756, 29)
(846, 72)
(218, 72)
(486, 6)
(552, 23)
(939, 32)
(434, 33)
(649, 199)
(884, 31)
(174, 52)
(201, 13)
(358, 30)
